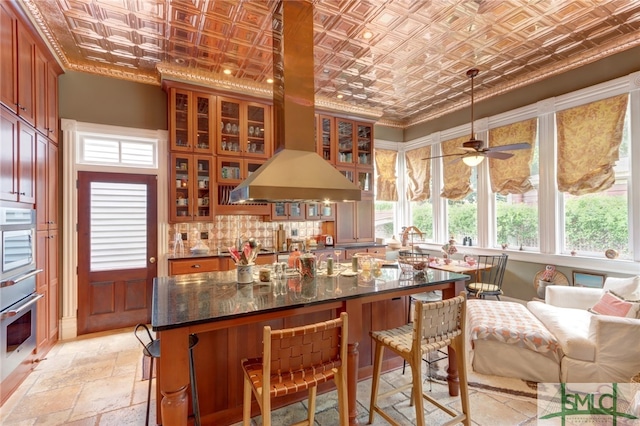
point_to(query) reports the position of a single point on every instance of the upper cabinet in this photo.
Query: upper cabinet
(191, 121)
(17, 58)
(191, 187)
(18, 161)
(355, 152)
(46, 84)
(245, 128)
(326, 137)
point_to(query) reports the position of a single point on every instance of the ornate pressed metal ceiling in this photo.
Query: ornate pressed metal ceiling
(411, 68)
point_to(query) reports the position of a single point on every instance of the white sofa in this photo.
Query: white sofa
(596, 348)
(558, 340)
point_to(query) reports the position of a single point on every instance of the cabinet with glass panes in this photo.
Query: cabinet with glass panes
(230, 172)
(191, 121)
(191, 187)
(245, 129)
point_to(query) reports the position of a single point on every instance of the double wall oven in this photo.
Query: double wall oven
(18, 295)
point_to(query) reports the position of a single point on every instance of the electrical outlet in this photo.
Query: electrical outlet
(184, 236)
(204, 235)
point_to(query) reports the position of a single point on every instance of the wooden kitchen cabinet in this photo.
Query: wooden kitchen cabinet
(194, 265)
(46, 84)
(18, 160)
(355, 222)
(287, 211)
(191, 121)
(320, 211)
(326, 144)
(47, 285)
(190, 187)
(245, 129)
(46, 184)
(230, 172)
(18, 66)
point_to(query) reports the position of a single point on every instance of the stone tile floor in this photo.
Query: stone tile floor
(96, 380)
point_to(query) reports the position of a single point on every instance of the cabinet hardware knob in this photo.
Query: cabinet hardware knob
(152, 260)
(23, 193)
(13, 192)
(195, 266)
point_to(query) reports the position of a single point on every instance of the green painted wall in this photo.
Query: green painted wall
(103, 100)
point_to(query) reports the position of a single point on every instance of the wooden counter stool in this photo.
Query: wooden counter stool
(294, 360)
(431, 357)
(436, 325)
(151, 348)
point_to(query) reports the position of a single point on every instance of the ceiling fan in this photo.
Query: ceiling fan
(474, 150)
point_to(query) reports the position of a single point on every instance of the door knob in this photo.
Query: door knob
(152, 259)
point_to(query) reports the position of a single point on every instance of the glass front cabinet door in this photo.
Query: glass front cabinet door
(191, 121)
(244, 129)
(325, 138)
(190, 188)
(345, 142)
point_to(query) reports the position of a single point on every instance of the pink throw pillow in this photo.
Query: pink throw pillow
(609, 304)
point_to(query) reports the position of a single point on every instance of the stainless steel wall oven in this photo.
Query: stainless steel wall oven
(18, 295)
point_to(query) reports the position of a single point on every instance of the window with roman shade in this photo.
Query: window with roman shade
(418, 174)
(386, 188)
(589, 138)
(456, 174)
(511, 176)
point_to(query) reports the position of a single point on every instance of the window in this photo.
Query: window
(517, 214)
(595, 223)
(385, 217)
(463, 214)
(422, 218)
(114, 151)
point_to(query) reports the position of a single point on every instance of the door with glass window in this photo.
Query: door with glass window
(117, 249)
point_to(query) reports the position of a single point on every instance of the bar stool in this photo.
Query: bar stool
(152, 349)
(436, 326)
(294, 360)
(429, 296)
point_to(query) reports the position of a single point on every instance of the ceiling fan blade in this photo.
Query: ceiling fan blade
(467, 149)
(498, 155)
(441, 156)
(512, 147)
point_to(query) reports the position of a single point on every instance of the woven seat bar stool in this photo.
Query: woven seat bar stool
(436, 325)
(431, 357)
(151, 348)
(294, 360)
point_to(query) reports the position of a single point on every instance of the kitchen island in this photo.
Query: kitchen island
(228, 318)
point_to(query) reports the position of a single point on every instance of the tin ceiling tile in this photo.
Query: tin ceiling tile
(409, 70)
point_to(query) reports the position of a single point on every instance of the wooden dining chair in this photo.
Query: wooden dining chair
(489, 273)
(436, 325)
(295, 360)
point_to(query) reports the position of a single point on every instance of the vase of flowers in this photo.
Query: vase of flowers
(449, 250)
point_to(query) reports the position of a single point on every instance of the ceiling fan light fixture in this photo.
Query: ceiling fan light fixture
(472, 160)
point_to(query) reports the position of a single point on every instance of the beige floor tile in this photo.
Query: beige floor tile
(133, 416)
(34, 405)
(101, 396)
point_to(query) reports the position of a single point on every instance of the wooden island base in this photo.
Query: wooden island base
(223, 343)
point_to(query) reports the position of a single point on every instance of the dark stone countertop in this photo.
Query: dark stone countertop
(185, 300)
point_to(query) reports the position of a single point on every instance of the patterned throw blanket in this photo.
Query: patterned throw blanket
(510, 323)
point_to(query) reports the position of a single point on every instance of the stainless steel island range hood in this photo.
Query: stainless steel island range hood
(295, 172)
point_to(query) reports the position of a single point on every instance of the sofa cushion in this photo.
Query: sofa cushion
(627, 288)
(610, 304)
(570, 327)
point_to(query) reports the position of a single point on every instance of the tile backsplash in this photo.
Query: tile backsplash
(225, 230)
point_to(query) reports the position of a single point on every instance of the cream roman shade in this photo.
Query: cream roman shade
(511, 176)
(589, 138)
(456, 174)
(418, 174)
(386, 188)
